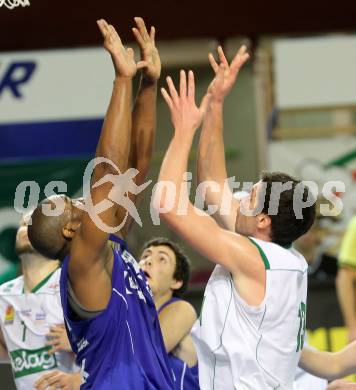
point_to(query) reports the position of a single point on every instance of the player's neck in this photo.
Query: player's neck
(35, 268)
(263, 236)
(160, 300)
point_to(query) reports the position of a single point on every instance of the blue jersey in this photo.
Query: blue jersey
(122, 347)
(184, 377)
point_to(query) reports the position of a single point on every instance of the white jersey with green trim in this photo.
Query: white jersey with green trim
(25, 321)
(256, 348)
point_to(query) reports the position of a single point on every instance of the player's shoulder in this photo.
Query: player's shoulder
(180, 307)
(277, 257)
(12, 287)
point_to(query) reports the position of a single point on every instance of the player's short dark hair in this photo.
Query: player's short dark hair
(45, 232)
(182, 271)
(286, 227)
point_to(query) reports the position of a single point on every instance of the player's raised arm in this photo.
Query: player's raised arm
(144, 112)
(89, 267)
(233, 251)
(211, 164)
(329, 365)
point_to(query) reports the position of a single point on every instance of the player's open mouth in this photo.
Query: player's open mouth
(147, 274)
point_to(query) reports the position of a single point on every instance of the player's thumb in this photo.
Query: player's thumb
(142, 64)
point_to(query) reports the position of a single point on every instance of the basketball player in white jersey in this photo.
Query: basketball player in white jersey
(251, 328)
(30, 323)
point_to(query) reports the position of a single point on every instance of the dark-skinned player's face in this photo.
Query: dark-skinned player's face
(73, 208)
(159, 264)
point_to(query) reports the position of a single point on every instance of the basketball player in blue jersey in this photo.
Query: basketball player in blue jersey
(108, 308)
(167, 271)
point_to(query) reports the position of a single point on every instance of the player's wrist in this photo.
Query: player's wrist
(148, 80)
(216, 103)
(122, 80)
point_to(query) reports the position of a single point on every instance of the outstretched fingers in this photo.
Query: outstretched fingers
(222, 57)
(103, 27)
(153, 34)
(240, 58)
(114, 36)
(138, 37)
(191, 86)
(172, 90)
(213, 63)
(183, 85)
(167, 98)
(142, 28)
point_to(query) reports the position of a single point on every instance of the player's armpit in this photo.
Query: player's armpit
(176, 321)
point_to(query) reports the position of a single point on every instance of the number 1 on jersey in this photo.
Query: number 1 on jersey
(24, 331)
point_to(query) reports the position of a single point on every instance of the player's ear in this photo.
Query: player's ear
(263, 221)
(69, 229)
(177, 284)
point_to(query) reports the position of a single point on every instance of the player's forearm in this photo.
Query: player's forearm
(143, 128)
(211, 166)
(173, 167)
(115, 138)
(322, 364)
(211, 153)
(346, 296)
(142, 141)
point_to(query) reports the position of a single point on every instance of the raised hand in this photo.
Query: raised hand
(185, 115)
(149, 52)
(123, 59)
(225, 73)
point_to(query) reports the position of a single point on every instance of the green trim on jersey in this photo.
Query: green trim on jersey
(262, 253)
(43, 282)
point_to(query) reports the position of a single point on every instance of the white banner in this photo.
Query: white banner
(315, 72)
(54, 85)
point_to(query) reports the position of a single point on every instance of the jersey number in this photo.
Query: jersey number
(302, 326)
(24, 331)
